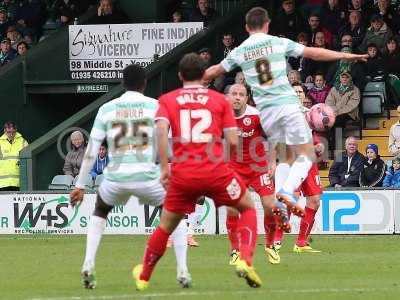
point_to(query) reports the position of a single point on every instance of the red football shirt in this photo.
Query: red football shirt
(250, 151)
(197, 117)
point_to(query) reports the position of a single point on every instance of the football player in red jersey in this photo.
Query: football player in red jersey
(249, 160)
(197, 118)
(310, 188)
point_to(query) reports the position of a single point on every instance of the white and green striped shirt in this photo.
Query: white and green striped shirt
(128, 125)
(262, 58)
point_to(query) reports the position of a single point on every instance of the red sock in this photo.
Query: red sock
(231, 226)
(154, 251)
(305, 226)
(279, 232)
(247, 230)
(269, 227)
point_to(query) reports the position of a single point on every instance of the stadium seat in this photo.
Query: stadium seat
(61, 182)
(88, 182)
(99, 179)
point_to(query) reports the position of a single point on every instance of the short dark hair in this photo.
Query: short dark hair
(256, 18)
(134, 78)
(9, 124)
(192, 67)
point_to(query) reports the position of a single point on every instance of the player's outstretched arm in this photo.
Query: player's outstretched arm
(322, 54)
(213, 72)
(162, 141)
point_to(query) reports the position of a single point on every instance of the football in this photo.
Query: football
(320, 117)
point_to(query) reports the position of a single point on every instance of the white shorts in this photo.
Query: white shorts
(148, 192)
(285, 124)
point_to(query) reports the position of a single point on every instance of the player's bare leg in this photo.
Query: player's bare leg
(306, 224)
(270, 228)
(232, 219)
(155, 248)
(95, 231)
(247, 230)
(305, 155)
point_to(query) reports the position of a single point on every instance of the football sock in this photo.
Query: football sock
(279, 232)
(306, 224)
(231, 227)
(269, 227)
(247, 230)
(179, 238)
(155, 249)
(281, 174)
(93, 238)
(298, 172)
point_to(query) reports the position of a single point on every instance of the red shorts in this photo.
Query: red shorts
(311, 186)
(224, 186)
(260, 182)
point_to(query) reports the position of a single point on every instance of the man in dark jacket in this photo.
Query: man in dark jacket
(345, 171)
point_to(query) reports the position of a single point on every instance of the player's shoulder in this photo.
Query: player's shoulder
(251, 111)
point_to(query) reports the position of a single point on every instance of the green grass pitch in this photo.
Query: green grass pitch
(350, 267)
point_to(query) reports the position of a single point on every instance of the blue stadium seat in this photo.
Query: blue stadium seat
(61, 182)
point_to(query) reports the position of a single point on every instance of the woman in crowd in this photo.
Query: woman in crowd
(74, 157)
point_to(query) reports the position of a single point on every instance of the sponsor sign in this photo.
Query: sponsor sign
(51, 214)
(343, 212)
(102, 51)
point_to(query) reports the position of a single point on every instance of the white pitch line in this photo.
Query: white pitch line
(215, 293)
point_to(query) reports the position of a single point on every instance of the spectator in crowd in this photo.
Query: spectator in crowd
(332, 16)
(297, 63)
(391, 57)
(177, 17)
(374, 168)
(14, 36)
(74, 157)
(310, 66)
(388, 13)
(307, 102)
(203, 13)
(69, 8)
(22, 48)
(374, 66)
(32, 14)
(394, 137)
(108, 14)
(4, 22)
(226, 46)
(11, 7)
(288, 21)
(314, 26)
(294, 77)
(205, 53)
(7, 53)
(361, 7)
(101, 162)
(344, 99)
(355, 28)
(239, 78)
(346, 41)
(300, 91)
(392, 178)
(320, 90)
(11, 143)
(346, 168)
(378, 33)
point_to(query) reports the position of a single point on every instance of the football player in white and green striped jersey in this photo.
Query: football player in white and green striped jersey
(127, 124)
(262, 58)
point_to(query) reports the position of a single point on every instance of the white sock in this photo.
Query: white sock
(281, 174)
(93, 238)
(179, 239)
(298, 172)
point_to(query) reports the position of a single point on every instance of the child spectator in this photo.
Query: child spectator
(22, 48)
(391, 57)
(177, 17)
(297, 63)
(101, 162)
(392, 178)
(374, 168)
(374, 65)
(320, 90)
